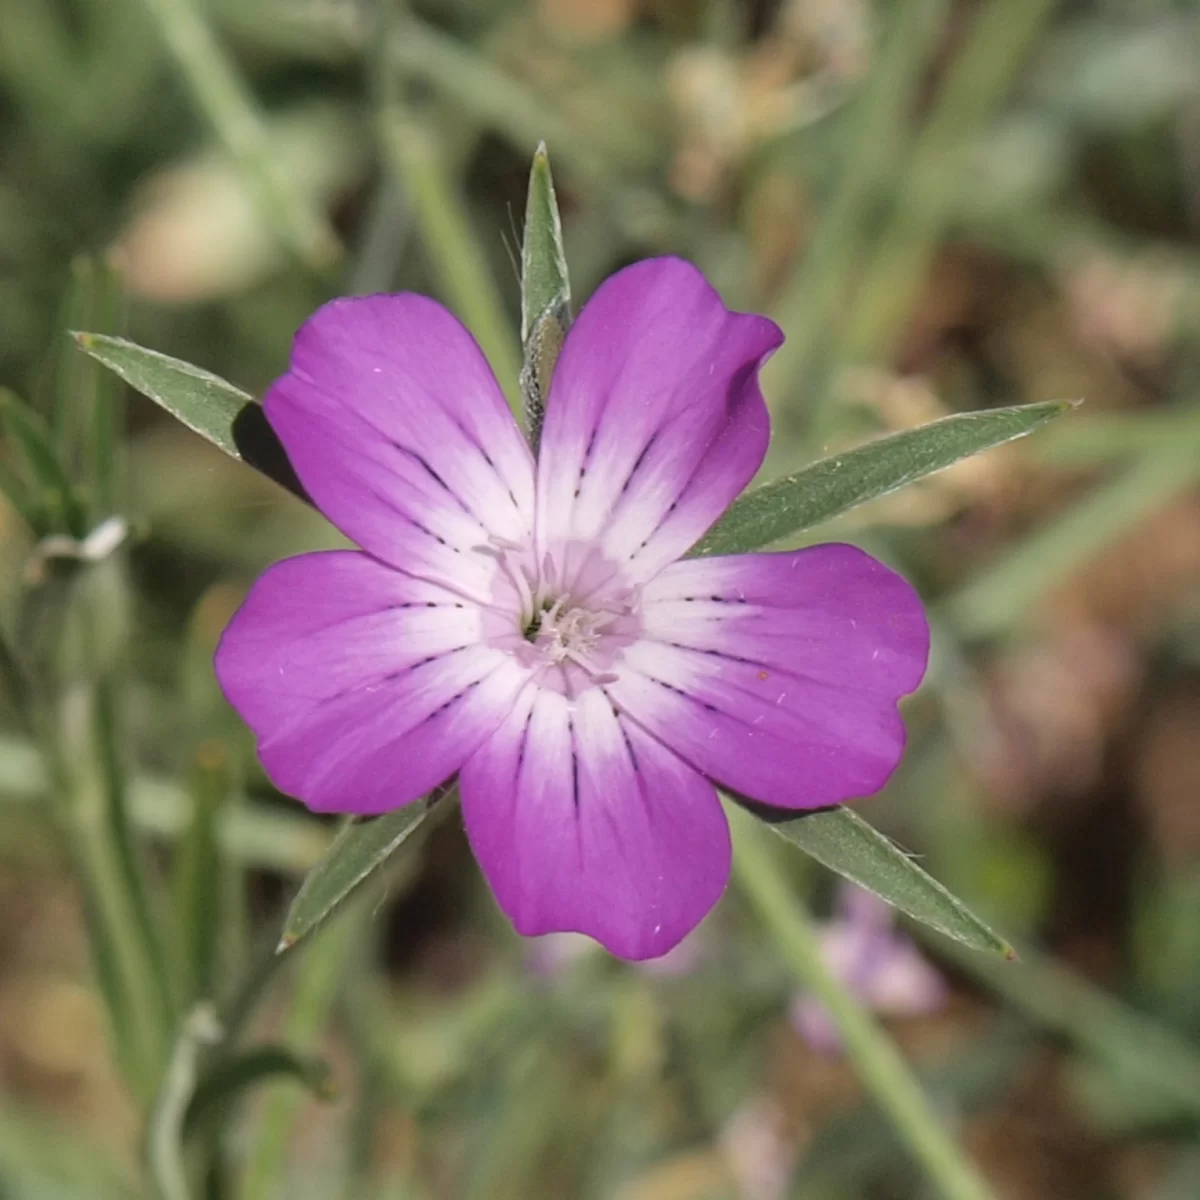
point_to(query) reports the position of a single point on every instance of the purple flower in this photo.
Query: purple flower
(527, 624)
(880, 965)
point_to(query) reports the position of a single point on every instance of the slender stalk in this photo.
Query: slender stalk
(84, 791)
(414, 164)
(810, 305)
(165, 1150)
(453, 250)
(16, 685)
(998, 597)
(1152, 1062)
(932, 185)
(250, 834)
(113, 913)
(318, 981)
(876, 1058)
(108, 787)
(386, 234)
(239, 1007)
(223, 97)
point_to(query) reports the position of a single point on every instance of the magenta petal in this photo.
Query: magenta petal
(778, 674)
(581, 822)
(655, 420)
(365, 687)
(397, 428)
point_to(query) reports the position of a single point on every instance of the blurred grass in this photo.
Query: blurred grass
(948, 206)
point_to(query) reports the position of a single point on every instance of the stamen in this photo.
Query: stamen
(559, 626)
(500, 550)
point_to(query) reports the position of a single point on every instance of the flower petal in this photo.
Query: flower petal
(364, 686)
(582, 822)
(778, 674)
(655, 420)
(398, 429)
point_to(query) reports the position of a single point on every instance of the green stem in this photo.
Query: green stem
(876, 1058)
(106, 766)
(113, 911)
(453, 249)
(223, 97)
(320, 976)
(165, 1149)
(16, 684)
(997, 597)
(240, 1006)
(1145, 1056)
(932, 185)
(124, 843)
(810, 305)
(251, 835)
(415, 166)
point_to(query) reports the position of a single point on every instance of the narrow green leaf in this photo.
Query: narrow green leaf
(1001, 595)
(221, 94)
(361, 849)
(842, 841)
(448, 236)
(204, 402)
(87, 412)
(105, 396)
(318, 981)
(226, 1084)
(545, 287)
(1146, 1054)
(883, 1070)
(545, 292)
(197, 867)
(1117, 436)
(36, 442)
(164, 1139)
(833, 485)
(21, 497)
(287, 841)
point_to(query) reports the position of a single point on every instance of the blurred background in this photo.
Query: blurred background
(948, 205)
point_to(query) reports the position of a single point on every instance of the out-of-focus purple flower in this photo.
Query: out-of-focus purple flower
(878, 963)
(526, 624)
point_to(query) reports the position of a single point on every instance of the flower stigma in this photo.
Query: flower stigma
(563, 623)
(564, 633)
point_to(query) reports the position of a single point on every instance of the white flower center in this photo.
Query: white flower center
(563, 633)
(572, 628)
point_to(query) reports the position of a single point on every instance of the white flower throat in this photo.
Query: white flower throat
(582, 622)
(563, 633)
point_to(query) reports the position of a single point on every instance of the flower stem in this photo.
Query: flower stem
(455, 253)
(319, 978)
(876, 1058)
(416, 166)
(222, 96)
(165, 1149)
(14, 681)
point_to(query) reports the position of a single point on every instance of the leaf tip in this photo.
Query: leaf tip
(1062, 406)
(1009, 953)
(286, 942)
